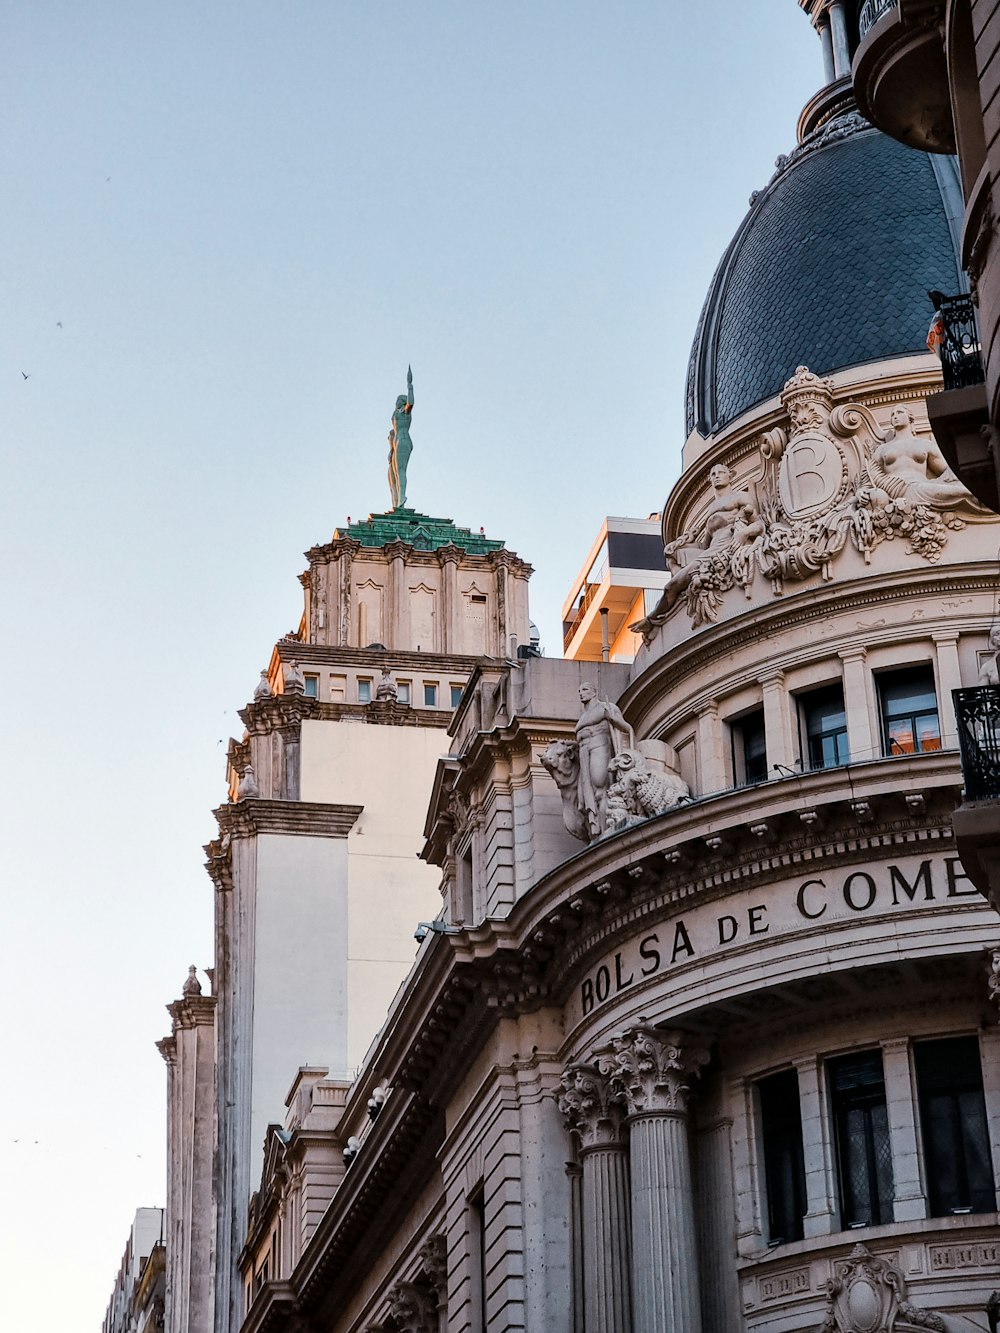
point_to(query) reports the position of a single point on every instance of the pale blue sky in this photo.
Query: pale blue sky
(247, 218)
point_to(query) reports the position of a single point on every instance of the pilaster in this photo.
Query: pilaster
(949, 677)
(711, 757)
(856, 706)
(781, 748)
(821, 1206)
(908, 1194)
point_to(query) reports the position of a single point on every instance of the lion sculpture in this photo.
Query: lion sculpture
(638, 791)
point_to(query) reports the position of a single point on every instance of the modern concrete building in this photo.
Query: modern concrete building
(621, 579)
(704, 1038)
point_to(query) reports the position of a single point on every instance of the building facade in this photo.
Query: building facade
(706, 1038)
(701, 1036)
(318, 885)
(137, 1301)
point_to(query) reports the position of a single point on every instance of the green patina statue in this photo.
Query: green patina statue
(400, 444)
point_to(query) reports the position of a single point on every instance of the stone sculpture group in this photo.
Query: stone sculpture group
(606, 779)
(835, 476)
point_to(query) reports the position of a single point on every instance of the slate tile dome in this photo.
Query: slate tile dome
(830, 268)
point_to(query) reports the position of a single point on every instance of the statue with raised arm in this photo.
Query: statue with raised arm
(400, 444)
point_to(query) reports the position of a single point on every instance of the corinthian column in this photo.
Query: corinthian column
(650, 1073)
(596, 1120)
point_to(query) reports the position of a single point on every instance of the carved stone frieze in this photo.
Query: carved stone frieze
(434, 1262)
(993, 980)
(590, 1106)
(413, 1308)
(651, 1071)
(868, 1295)
(832, 477)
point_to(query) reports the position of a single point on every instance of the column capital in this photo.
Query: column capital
(592, 1113)
(772, 678)
(856, 653)
(651, 1071)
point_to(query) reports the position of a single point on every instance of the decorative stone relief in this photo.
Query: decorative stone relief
(833, 477)
(262, 690)
(637, 792)
(589, 1105)
(247, 785)
(650, 1070)
(607, 780)
(387, 689)
(413, 1307)
(989, 668)
(434, 1261)
(993, 981)
(868, 1295)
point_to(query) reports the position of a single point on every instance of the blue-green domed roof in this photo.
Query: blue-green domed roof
(830, 268)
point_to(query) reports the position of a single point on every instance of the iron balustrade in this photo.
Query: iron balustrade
(958, 342)
(871, 12)
(978, 714)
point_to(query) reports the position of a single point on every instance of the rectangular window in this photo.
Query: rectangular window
(403, 691)
(312, 686)
(909, 711)
(861, 1131)
(364, 691)
(430, 695)
(953, 1124)
(749, 748)
(456, 695)
(784, 1163)
(823, 724)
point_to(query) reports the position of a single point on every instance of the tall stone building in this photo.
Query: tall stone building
(704, 1039)
(318, 886)
(702, 1033)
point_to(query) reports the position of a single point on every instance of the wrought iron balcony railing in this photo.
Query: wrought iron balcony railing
(978, 714)
(871, 12)
(954, 335)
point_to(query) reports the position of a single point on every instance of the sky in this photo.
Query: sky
(227, 230)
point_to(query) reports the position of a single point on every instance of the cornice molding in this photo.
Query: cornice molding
(277, 712)
(192, 1011)
(314, 819)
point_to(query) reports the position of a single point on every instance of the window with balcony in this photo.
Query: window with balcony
(823, 728)
(861, 1133)
(908, 703)
(957, 1161)
(784, 1163)
(749, 748)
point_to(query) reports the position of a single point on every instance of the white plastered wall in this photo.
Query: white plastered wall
(300, 972)
(389, 771)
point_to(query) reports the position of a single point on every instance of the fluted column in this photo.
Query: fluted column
(596, 1120)
(650, 1072)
